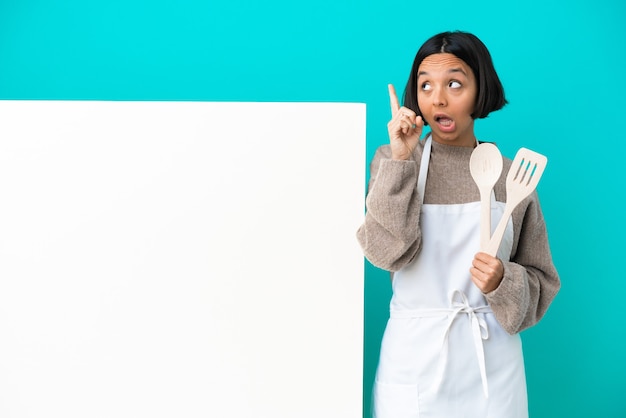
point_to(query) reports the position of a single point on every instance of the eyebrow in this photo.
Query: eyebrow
(450, 71)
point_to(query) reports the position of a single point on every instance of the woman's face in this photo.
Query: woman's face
(446, 96)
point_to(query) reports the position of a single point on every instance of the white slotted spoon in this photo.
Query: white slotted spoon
(485, 167)
(522, 179)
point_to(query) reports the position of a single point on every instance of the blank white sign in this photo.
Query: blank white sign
(168, 259)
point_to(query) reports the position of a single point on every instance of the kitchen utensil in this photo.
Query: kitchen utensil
(485, 167)
(523, 176)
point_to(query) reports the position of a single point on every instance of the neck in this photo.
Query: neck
(470, 141)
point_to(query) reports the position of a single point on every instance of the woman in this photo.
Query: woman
(451, 347)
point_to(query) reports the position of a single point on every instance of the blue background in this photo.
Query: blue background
(562, 65)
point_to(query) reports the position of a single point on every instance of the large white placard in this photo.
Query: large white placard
(168, 259)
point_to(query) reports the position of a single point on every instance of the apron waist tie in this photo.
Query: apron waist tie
(459, 304)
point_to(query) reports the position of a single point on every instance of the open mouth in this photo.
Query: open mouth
(443, 120)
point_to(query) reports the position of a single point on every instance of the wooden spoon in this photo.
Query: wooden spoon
(485, 167)
(523, 176)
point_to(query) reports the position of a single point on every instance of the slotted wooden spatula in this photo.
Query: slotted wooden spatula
(522, 179)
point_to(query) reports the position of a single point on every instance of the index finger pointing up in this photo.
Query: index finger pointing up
(393, 99)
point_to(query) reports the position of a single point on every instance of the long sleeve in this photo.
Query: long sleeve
(390, 236)
(530, 280)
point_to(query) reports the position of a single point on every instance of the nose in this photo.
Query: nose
(439, 97)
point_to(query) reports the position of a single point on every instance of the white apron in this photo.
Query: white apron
(443, 353)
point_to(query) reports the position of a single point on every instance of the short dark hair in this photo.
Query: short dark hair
(463, 45)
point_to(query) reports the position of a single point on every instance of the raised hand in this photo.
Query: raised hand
(405, 128)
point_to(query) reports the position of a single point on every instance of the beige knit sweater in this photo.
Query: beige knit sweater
(390, 235)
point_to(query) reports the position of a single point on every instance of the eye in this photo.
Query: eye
(426, 86)
(455, 84)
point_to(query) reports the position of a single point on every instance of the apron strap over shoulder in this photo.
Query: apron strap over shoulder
(423, 173)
